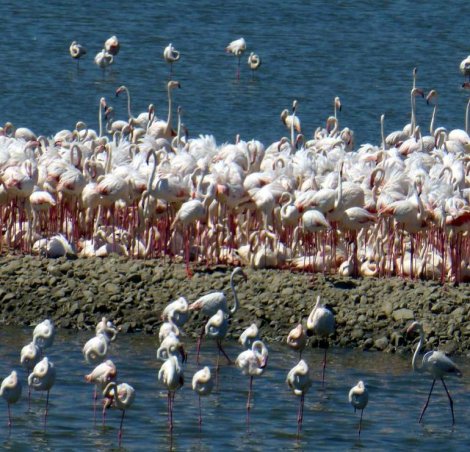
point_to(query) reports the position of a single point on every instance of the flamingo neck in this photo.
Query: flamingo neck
(467, 110)
(169, 118)
(235, 297)
(414, 363)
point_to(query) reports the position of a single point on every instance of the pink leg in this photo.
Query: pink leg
(120, 428)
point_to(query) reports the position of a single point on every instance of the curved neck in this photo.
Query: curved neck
(433, 119)
(414, 363)
(128, 102)
(235, 297)
(382, 132)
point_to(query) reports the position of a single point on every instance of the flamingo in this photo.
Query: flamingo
(436, 363)
(163, 129)
(237, 48)
(358, 398)
(171, 55)
(176, 312)
(254, 61)
(297, 339)
(106, 327)
(101, 375)
(29, 357)
(44, 333)
(216, 328)
(321, 322)
(248, 336)
(465, 68)
(171, 346)
(167, 328)
(42, 378)
(253, 363)
(112, 45)
(171, 375)
(103, 59)
(209, 304)
(10, 390)
(77, 51)
(298, 379)
(292, 122)
(96, 349)
(202, 384)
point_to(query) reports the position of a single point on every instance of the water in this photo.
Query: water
(396, 396)
(362, 51)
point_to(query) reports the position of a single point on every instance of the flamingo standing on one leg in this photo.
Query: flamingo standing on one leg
(216, 328)
(171, 55)
(253, 363)
(44, 334)
(358, 398)
(436, 363)
(120, 396)
(10, 390)
(254, 61)
(77, 51)
(299, 381)
(237, 48)
(249, 335)
(30, 356)
(42, 378)
(321, 322)
(171, 375)
(202, 384)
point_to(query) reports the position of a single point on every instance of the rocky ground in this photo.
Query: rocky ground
(370, 313)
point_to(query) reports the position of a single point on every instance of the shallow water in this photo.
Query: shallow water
(363, 52)
(396, 396)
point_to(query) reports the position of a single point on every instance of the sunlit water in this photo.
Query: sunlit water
(396, 396)
(362, 51)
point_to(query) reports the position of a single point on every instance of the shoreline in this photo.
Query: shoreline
(370, 313)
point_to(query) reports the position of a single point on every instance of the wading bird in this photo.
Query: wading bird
(10, 390)
(298, 379)
(254, 61)
(202, 384)
(237, 48)
(42, 378)
(77, 51)
(171, 55)
(435, 363)
(358, 398)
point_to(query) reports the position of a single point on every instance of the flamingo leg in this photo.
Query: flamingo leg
(9, 415)
(221, 350)
(46, 411)
(427, 401)
(324, 367)
(95, 398)
(451, 402)
(120, 428)
(300, 416)
(248, 403)
(238, 69)
(360, 423)
(198, 345)
(200, 413)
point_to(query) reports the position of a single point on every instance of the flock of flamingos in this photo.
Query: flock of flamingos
(142, 188)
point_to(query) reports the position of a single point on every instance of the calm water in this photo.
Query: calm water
(362, 51)
(390, 420)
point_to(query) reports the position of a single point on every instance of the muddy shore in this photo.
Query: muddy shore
(370, 313)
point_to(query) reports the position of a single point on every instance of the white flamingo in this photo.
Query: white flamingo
(42, 378)
(237, 48)
(171, 375)
(171, 55)
(299, 381)
(10, 390)
(77, 51)
(435, 363)
(254, 61)
(202, 384)
(112, 45)
(358, 398)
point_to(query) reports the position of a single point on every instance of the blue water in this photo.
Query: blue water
(396, 396)
(362, 51)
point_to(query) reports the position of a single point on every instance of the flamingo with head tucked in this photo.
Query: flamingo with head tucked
(171, 55)
(77, 51)
(171, 375)
(298, 379)
(254, 61)
(202, 384)
(10, 390)
(42, 378)
(358, 398)
(253, 363)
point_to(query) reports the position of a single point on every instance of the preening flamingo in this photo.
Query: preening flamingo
(297, 339)
(112, 45)
(176, 312)
(42, 378)
(77, 51)
(237, 48)
(358, 398)
(435, 363)
(202, 384)
(216, 328)
(171, 345)
(254, 61)
(321, 322)
(44, 333)
(298, 379)
(253, 363)
(120, 396)
(10, 390)
(249, 335)
(171, 55)
(103, 59)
